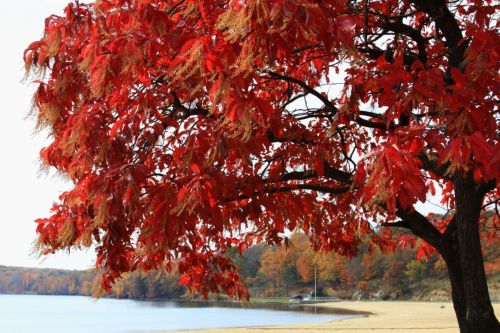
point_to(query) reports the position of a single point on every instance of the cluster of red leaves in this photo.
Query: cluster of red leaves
(178, 125)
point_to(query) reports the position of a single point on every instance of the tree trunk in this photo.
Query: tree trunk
(460, 247)
(479, 316)
(452, 261)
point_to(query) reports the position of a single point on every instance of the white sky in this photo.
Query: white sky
(24, 194)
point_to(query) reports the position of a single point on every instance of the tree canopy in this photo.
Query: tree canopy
(192, 127)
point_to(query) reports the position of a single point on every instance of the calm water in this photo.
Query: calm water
(61, 314)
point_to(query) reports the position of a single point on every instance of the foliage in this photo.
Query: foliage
(190, 128)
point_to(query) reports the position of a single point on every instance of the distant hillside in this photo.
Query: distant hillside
(272, 272)
(19, 280)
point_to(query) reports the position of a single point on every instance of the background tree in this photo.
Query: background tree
(302, 257)
(191, 127)
(305, 267)
(248, 262)
(272, 267)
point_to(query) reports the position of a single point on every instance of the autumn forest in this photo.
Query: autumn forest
(276, 272)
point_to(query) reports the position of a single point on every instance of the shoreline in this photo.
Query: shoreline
(375, 317)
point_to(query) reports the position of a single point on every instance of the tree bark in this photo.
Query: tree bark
(451, 258)
(460, 247)
(479, 316)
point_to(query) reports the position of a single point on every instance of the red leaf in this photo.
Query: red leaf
(211, 199)
(128, 195)
(432, 188)
(184, 280)
(458, 77)
(195, 167)
(319, 165)
(182, 193)
(346, 29)
(481, 149)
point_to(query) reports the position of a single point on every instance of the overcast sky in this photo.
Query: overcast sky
(24, 194)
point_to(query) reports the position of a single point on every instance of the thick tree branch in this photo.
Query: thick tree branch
(306, 88)
(447, 24)
(400, 28)
(431, 164)
(321, 188)
(297, 140)
(333, 110)
(484, 188)
(374, 125)
(289, 188)
(419, 225)
(397, 224)
(373, 115)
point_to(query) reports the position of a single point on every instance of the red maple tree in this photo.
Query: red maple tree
(190, 127)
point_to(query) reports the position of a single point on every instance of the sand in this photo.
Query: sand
(391, 317)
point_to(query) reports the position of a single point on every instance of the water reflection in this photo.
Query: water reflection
(275, 306)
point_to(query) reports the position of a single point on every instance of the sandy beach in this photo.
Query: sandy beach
(391, 317)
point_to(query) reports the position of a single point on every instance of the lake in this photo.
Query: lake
(58, 314)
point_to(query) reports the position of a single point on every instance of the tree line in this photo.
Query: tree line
(20, 280)
(406, 273)
(270, 271)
